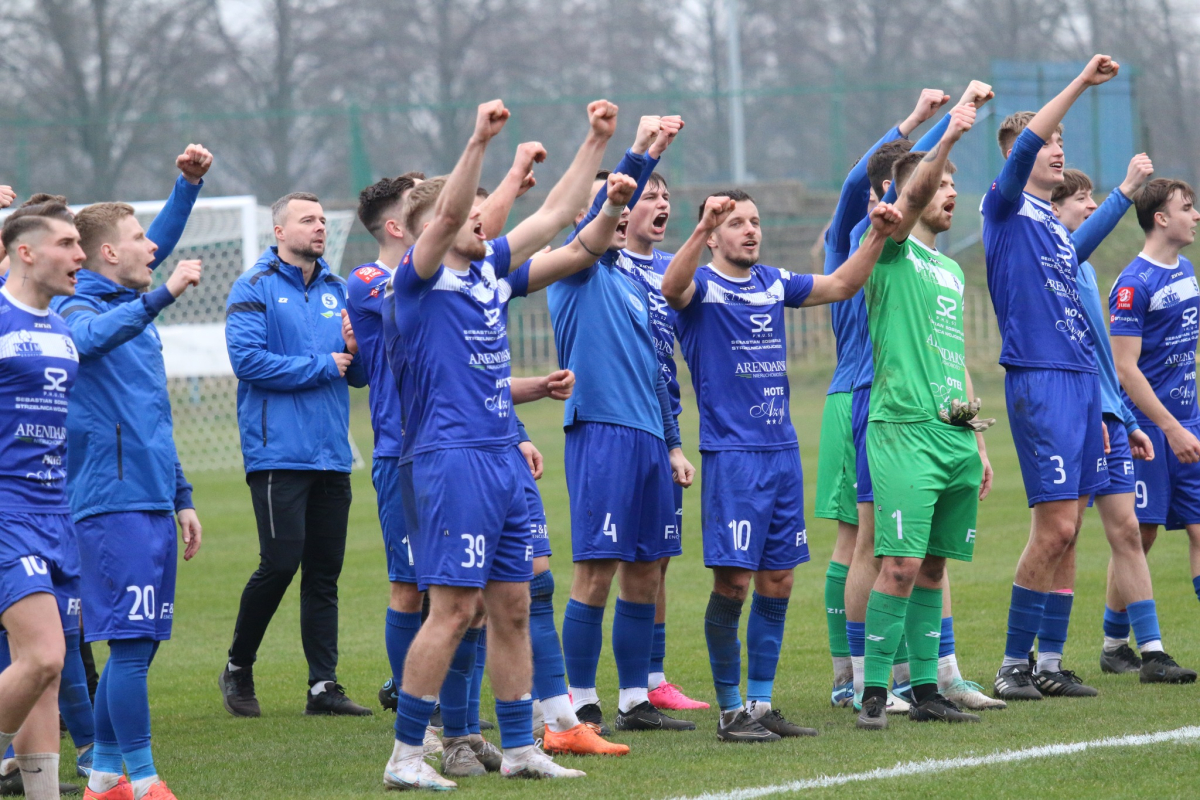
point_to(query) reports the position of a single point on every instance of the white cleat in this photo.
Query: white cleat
(970, 695)
(418, 775)
(432, 744)
(533, 763)
(896, 705)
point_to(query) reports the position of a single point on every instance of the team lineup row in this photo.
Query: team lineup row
(425, 328)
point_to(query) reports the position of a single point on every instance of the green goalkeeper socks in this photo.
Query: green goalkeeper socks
(885, 627)
(923, 627)
(835, 609)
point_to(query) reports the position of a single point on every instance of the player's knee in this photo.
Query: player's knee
(592, 582)
(774, 583)
(405, 598)
(44, 662)
(933, 570)
(734, 584)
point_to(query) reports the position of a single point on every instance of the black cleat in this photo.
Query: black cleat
(435, 719)
(589, 715)
(1016, 683)
(389, 696)
(1063, 683)
(774, 722)
(237, 692)
(873, 716)
(744, 728)
(486, 725)
(1120, 661)
(12, 785)
(936, 708)
(645, 717)
(1158, 667)
(333, 703)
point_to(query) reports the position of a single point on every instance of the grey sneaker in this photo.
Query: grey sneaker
(459, 760)
(1158, 667)
(1120, 661)
(873, 716)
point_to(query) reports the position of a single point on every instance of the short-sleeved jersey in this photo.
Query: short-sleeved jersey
(364, 302)
(1160, 303)
(649, 270)
(397, 359)
(454, 327)
(38, 364)
(735, 342)
(857, 329)
(914, 309)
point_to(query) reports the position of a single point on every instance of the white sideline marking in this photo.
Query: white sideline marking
(930, 766)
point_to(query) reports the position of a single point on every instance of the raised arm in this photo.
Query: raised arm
(1046, 121)
(927, 177)
(678, 284)
(635, 162)
(193, 163)
(847, 279)
(1100, 224)
(519, 180)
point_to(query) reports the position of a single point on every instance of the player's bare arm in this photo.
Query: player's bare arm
(678, 282)
(1126, 352)
(924, 183)
(558, 385)
(520, 179)
(454, 203)
(847, 279)
(1100, 69)
(927, 105)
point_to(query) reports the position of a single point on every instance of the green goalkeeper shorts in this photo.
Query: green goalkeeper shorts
(926, 477)
(836, 495)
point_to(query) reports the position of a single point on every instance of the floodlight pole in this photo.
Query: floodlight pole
(737, 118)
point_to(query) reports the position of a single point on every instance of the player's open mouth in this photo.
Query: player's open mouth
(949, 207)
(660, 223)
(478, 231)
(1056, 165)
(622, 227)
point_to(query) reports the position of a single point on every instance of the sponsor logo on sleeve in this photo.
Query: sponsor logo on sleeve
(1125, 298)
(368, 273)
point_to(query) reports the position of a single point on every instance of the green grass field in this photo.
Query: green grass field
(204, 753)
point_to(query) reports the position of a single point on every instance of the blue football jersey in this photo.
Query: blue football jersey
(38, 364)
(397, 358)
(649, 271)
(735, 342)
(1160, 303)
(454, 327)
(364, 302)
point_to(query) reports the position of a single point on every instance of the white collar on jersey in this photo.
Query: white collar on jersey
(1039, 202)
(385, 268)
(1142, 255)
(730, 278)
(921, 244)
(37, 312)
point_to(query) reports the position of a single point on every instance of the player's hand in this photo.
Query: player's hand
(927, 105)
(533, 458)
(560, 384)
(1185, 444)
(343, 361)
(716, 211)
(886, 218)
(1107, 444)
(682, 471)
(191, 532)
(962, 118)
(985, 485)
(1100, 69)
(489, 120)
(1141, 446)
(620, 189)
(187, 273)
(602, 116)
(669, 128)
(977, 94)
(647, 132)
(194, 162)
(7, 195)
(348, 334)
(1140, 170)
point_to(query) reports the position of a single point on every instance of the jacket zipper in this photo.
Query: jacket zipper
(264, 422)
(120, 458)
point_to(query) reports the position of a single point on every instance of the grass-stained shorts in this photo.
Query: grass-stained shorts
(836, 494)
(926, 477)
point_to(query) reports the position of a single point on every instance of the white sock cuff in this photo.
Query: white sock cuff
(657, 679)
(39, 773)
(632, 697)
(1151, 646)
(581, 697)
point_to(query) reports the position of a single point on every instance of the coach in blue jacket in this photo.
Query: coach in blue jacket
(283, 330)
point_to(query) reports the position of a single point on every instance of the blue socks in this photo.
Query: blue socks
(764, 640)
(1052, 633)
(658, 651)
(582, 638)
(398, 635)
(856, 634)
(1143, 617)
(1196, 586)
(1116, 624)
(1024, 619)
(549, 671)
(515, 720)
(412, 718)
(632, 637)
(946, 643)
(721, 621)
(128, 709)
(456, 688)
(477, 681)
(106, 755)
(74, 703)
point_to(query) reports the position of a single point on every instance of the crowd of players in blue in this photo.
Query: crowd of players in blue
(91, 489)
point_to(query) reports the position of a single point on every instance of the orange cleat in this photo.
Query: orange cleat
(159, 791)
(581, 740)
(670, 697)
(122, 791)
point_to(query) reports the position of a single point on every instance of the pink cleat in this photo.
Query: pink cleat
(668, 696)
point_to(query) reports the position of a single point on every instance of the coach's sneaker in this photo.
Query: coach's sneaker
(1158, 667)
(331, 701)
(970, 695)
(530, 762)
(842, 695)
(83, 761)
(873, 716)
(488, 754)
(581, 741)
(1063, 683)
(1016, 683)
(459, 759)
(1120, 661)
(432, 744)
(738, 726)
(123, 790)
(389, 697)
(903, 691)
(418, 774)
(774, 721)
(937, 708)
(672, 698)
(645, 717)
(237, 692)
(591, 716)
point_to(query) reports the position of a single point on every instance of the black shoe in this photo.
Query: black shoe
(645, 717)
(237, 692)
(487, 725)
(1016, 683)
(1158, 667)
(1120, 661)
(333, 702)
(936, 708)
(744, 728)
(11, 785)
(389, 696)
(1063, 683)
(435, 719)
(589, 715)
(774, 722)
(873, 716)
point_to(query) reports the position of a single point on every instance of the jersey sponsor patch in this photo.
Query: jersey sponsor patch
(1125, 298)
(368, 273)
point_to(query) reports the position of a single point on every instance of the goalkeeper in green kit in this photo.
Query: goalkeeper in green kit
(924, 443)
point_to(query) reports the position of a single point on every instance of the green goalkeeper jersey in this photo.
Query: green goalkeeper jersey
(914, 312)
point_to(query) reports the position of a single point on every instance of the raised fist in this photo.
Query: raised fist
(1100, 69)
(886, 218)
(647, 132)
(716, 211)
(7, 195)
(187, 273)
(928, 104)
(1140, 170)
(961, 120)
(668, 129)
(620, 189)
(602, 115)
(977, 94)
(194, 162)
(489, 120)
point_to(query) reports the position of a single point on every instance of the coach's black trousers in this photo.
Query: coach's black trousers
(302, 517)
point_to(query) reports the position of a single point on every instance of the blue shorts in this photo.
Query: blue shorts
(860, 409)
(385, 474)
(129, 562)
(1168, 492)
(1121, 470)
(537, 512)
(473, 518)
(678, 493)
(622, 505)
(38, 553)
(1055, 417)
(753, 509)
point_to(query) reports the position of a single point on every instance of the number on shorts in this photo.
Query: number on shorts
(408, 546)
(609, 529)
(1139, 493)
(896, 515)
(34, 566)
(476, 550)
(1062, 473)
(741, 533)
(143, 602)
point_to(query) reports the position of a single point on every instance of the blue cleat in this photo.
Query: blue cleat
(83, 762)
(903, 691)
(842, 695)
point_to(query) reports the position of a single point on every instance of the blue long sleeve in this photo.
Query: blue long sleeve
(632, 164)
(1088, 236)
(168, 225)
(522, 436)
(854, 198)
(356, 373)
(246, 341)
(924, 144)
(97, 334)
(183, 490)
(1015, 173)
(670, 424)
